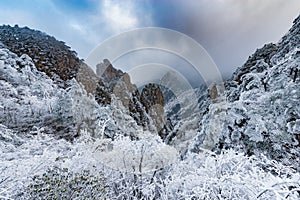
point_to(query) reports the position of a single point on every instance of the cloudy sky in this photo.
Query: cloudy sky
(229, 30)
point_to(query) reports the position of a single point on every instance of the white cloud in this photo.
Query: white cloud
(231, 30)
(119, 16)
(109, 18)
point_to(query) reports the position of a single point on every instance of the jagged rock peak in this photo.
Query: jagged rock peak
(49, 55)
(114, 78)
(107, 72)
(118, 82)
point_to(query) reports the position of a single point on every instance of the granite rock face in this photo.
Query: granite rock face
(144, 107)
(153, 101)
(117, 82)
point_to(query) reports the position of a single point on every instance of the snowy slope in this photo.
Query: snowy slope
(44, 127)
(37, 161)
(263, 110)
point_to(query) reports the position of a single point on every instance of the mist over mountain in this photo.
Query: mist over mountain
(68, 132)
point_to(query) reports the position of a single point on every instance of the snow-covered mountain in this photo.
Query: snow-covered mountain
(55, 61)
(47, 107)
(66, 132)
(263, 110)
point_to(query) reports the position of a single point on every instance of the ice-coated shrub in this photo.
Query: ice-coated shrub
(59, 183)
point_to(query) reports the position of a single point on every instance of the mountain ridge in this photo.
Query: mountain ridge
(62, 65)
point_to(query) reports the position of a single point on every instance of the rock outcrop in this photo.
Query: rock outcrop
(117, 82)
(153, 101)
(145, 107)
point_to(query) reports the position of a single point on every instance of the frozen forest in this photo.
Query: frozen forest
(66, 133)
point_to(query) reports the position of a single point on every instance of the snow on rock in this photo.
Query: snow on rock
(263, 109)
